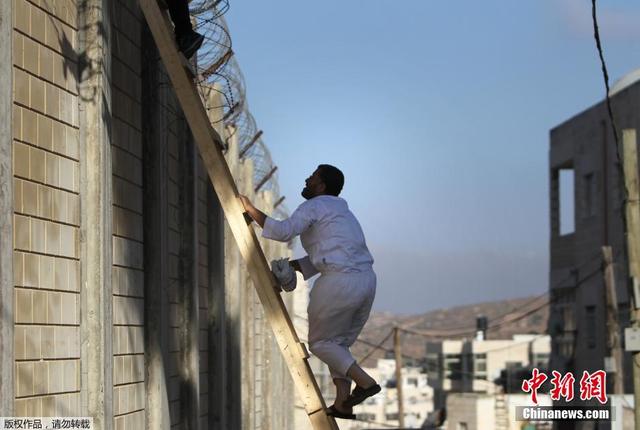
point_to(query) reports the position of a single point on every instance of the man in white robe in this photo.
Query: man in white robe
(341, 299)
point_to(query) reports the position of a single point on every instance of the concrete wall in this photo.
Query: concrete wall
(129, 301)
(128, 216)
(46, 187)
(6, 213)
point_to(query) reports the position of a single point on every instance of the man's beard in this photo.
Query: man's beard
(306, 193)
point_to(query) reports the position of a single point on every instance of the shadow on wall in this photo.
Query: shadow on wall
(75, 62)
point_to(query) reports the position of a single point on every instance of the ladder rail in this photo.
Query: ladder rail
(209, 144)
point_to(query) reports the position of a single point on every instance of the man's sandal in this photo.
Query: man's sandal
(359, 395)
(333, 412)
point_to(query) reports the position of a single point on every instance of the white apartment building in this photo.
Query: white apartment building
(467, 366)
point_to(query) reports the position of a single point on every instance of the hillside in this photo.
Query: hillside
(505, 318)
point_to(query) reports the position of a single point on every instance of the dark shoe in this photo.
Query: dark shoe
(359, 395)
(333, 412)
(189, 43)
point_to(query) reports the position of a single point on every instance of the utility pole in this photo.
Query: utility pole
(397, 349)
(632, 213)
(613, 328)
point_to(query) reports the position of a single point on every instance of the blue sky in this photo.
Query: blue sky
(439, 114)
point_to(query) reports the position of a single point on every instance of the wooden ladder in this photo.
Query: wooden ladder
(209, 144)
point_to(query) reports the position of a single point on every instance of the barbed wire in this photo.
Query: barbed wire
(212, 59)
(223, 91)
(215, 7)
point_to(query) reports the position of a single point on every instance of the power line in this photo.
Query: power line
(466, 330)
(379, 347)
(514, 345)
(498, 317)
(527, 303)
(431, 335)
(471, 330)
(522, 314)
(520, 317)
(498, 348)
(550, 300)
(605, 74)
(375, 346)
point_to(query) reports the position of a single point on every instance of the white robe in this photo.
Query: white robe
(341, 299)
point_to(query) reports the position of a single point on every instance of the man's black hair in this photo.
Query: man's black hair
(332, 177)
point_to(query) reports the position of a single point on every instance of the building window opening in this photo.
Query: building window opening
(567, 207)
(453, 366)
(480, 366)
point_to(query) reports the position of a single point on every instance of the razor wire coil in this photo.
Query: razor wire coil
(218, 71)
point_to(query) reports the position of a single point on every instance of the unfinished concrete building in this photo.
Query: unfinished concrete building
(583, 164)
(123, 296)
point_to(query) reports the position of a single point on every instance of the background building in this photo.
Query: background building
(586, 202)
(468, 366)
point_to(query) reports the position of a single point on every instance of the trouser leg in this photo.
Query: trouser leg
(338, 308)
(360, 317)
(335, 374)
(179, 11)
